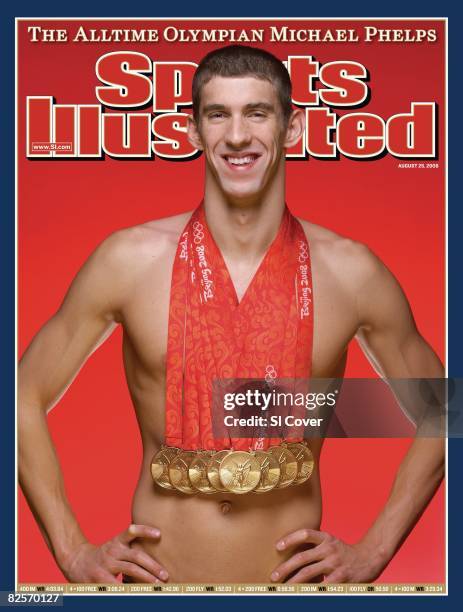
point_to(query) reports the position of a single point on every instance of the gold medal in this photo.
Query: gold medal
(213, 469)
(239, 472)
(197, 472)
(288, 465)
(232, 471)
(178, 471)
(269, 472)
(160, 465)
(305, 462)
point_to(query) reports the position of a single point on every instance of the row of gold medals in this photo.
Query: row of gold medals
(232, 471)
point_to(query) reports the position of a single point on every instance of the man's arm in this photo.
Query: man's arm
(88, 315)
(390, 339)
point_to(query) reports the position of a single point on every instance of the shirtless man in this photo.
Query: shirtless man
(243, 122)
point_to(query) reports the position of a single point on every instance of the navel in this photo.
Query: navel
(225, 506)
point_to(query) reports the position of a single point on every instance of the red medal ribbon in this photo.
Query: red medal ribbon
(212, 335)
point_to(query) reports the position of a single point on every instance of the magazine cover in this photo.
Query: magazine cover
(260, 201)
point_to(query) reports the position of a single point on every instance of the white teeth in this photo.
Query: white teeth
(240, 161)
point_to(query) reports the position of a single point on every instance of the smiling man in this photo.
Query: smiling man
(239, 288)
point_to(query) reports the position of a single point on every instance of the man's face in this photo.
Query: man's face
(242, 133)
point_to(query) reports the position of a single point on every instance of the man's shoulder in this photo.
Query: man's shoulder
(146, 240)
(347, 259)
(126, 255)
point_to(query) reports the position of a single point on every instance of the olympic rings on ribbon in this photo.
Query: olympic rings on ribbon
(303, 252)
(198, 234)
(270, 374)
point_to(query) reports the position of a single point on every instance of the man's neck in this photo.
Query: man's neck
(244, 229)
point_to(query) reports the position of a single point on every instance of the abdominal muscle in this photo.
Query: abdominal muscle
(222, 537)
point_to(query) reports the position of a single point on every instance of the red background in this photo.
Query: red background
(65, 208)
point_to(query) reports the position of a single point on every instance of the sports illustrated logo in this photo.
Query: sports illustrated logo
(131, 80)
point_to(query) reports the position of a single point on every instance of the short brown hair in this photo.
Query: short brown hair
(240, 60)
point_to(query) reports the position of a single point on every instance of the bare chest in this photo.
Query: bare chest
(146, 316)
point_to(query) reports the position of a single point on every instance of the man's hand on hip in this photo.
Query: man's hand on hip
(89, 563)
(329, 557)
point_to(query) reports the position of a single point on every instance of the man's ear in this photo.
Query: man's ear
(295, 128)
(193, 133)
